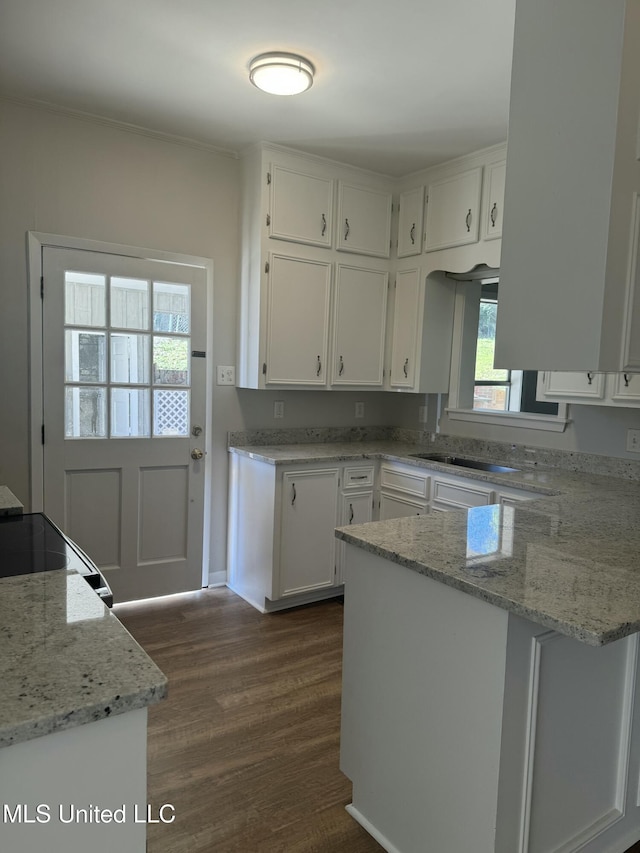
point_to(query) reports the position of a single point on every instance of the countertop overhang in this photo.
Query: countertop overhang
(65, 659)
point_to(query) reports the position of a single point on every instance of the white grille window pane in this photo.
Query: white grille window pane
(170, 413)
(85, 358)
(129, 303)
(85, 412)
(171, 307)
(170, 361)
(130, 359)
(84, 299)
(130, 413)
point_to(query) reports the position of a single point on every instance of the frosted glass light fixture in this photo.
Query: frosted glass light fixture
(281, 73)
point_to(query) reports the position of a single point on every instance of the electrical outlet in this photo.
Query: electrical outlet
(226, 375)
(278, 409)
(359, 410)
(633, 440)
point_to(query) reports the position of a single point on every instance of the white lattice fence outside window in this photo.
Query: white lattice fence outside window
(171, 413)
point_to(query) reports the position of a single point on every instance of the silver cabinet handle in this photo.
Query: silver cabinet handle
(324, 225)
(293, 493)
(590, 377)
(341, 367)
(412, 234)
(319, 367)
(350, 513)
(494, 214)
(360, 477)
(467, 220)
(626, 379)
(405, 368)
(346, 228)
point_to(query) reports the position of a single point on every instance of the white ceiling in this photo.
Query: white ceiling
(399, 85)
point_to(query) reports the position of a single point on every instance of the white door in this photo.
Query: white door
(124, 411)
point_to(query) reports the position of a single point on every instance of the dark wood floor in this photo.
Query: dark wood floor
(246, 745)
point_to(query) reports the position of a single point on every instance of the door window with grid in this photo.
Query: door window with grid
(127, 357)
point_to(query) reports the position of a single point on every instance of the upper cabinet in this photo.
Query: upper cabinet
(453, 210)
(570, 272)
(301, 207)
(363, 220)
(410, 222)
(493, 200)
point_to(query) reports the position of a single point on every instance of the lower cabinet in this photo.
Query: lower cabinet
(282, 549)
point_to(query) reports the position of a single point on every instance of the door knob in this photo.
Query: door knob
(196, 453)
(196, 430)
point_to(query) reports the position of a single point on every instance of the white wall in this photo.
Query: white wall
(80, 178)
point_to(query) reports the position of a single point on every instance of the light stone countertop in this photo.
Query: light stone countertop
(569, 560)
(9, 503)
(65, 659)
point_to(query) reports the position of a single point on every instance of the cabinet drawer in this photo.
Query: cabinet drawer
(460, 494)
(358, 477)
(403, 480)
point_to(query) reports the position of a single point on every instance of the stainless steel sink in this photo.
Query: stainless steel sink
(464, 463)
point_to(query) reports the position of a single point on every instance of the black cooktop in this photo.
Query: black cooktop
(32, 543)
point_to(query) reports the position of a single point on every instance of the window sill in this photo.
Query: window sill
(524, 420)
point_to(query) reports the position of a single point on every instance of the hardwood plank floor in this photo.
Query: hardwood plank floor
(246, 745)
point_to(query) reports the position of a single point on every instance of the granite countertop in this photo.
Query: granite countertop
(9, 503)
(65, 659)
(569, 560)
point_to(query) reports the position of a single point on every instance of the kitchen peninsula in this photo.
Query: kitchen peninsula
(490, 653)
(73, 718)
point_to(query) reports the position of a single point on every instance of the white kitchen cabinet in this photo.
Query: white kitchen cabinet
(298, 321)
(493, 199)
(572, 190)
(587, 386)
(356, 504)
(450, 492)
(453, 210)
(364, 220)
(624, 388)
(421, 332)
(301, 206)
(282, 549)
(359, 326)
(404, 490)
(307, 544)
(410, 222)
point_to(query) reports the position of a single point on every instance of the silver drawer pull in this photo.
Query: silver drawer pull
(350, 513)
(361, 477)
(467, 220)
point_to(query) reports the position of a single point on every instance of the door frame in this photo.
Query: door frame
(36, 242)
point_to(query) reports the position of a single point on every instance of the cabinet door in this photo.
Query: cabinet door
(453, 208)
(625, 388)
(494, 204)
(301, 207)
(356, 507)
(410, 222)
(571, 385)
(453, 493)
(307, 541)
(364, 220)
(298, 321)
(395, 506)
(360, 316)
(406, 317)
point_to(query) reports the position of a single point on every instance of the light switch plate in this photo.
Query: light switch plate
(278, 409)
(633, 440)
(359, 410)
(226, 375)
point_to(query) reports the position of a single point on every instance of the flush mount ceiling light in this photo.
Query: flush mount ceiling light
(281, 73)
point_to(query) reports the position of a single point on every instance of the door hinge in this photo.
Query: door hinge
(268, 219)
(266, 266)
(268, 177)
(41, 287)
(42, 433)
(264, 368)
